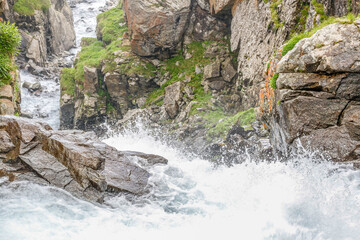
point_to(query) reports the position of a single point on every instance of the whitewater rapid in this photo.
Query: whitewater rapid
(192, 199)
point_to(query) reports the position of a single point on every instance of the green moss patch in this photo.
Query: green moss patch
(222, 128)
(67, 81)
(179, 68)
(28, 7)
(111, 25)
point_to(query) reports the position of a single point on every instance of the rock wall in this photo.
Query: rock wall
(317, 101)
(158, 28)
(45, 33)
(10, 97)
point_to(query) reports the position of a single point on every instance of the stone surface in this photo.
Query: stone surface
(173, 96)
(156, 26)
(333, 49)
(317, 99)
(6, 107)
(74, 160)
(44, 33)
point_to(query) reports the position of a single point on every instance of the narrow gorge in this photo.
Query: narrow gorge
(197, 119)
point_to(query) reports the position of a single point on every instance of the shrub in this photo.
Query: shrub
(10, 39)
(5, 70)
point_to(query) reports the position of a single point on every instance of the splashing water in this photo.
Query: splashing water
(300, 199)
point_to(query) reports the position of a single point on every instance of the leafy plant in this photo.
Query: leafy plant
(10, 39)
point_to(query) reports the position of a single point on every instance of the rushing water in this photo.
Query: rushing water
(191, 199)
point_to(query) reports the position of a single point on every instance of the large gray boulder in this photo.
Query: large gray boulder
(73, 160)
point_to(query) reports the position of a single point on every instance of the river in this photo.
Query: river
(304, 198)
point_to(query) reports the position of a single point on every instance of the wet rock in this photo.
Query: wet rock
(74, 160)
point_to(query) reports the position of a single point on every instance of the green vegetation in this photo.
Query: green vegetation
(349, 6)
(111, 25)
(9, 42)
(319, 9)
(348, 19)
(273, 81)
(223, 127)
(179, 68)
(28, 7)
(68, 81)
(10, 39)
(274, 15)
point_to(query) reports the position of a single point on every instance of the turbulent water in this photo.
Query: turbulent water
(191, 199)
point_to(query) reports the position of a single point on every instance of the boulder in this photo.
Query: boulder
(156, 26)
(6, 107)
(173, 97)
(6, 91)
(212, 71)
(73, 160)
(221, 5)
(333, 49)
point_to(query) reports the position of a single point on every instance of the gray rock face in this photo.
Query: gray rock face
(334, 49)
(255, 37)
(43, 34)
(159, 27)
(73, 160)
(319, 95)
(173, 96)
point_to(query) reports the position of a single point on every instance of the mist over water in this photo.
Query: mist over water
(192, 199)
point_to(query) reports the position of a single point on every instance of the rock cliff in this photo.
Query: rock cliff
(317, 99)
(197, 67)
(45, 32)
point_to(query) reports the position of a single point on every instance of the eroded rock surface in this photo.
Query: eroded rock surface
(73, 160)
(318, 94)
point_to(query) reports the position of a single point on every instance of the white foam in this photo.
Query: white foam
(300, 199)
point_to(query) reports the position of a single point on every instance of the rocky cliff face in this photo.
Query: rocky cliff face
(158, 28)
(199, 92)
(259, 28)
(44, 33)
(317, 101)
(73, 160)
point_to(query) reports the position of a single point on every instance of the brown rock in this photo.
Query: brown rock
(156, 26)
(6, 107)
(73, 160)
(173, 96)
(6, 91)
